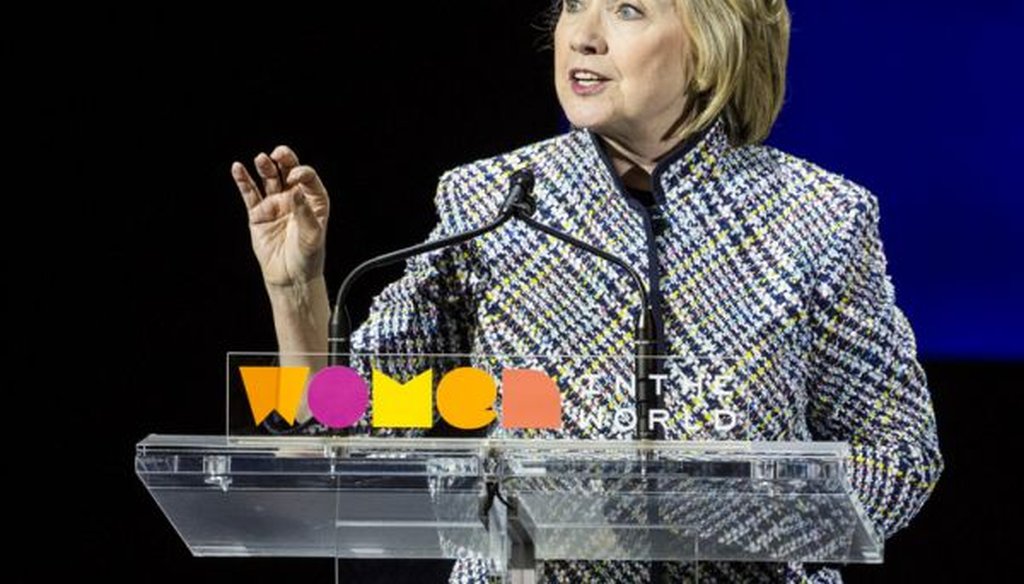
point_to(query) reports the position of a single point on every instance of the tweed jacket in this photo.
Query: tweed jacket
(755, 257)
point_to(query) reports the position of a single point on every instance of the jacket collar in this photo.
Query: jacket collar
(692, 160)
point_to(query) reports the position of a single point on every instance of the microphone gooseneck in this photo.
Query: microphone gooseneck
(520, 204)
(341, 326)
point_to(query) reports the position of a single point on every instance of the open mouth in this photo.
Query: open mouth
(586, 82)
(585, 77)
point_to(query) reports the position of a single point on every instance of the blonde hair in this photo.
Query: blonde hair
(738, 65)
(738, 53)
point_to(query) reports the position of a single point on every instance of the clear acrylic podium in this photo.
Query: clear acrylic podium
(508, 501)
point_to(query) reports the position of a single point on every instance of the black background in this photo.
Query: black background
(132, 272)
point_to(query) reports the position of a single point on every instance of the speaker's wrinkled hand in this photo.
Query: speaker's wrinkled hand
(287, 216)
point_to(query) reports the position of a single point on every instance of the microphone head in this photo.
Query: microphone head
(520, 201)
(523, 178)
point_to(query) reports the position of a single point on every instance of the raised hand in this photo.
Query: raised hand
(287, 218)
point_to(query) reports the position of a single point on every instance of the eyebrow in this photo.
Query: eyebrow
(641, 2)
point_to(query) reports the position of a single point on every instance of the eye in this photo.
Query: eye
(572, 5)
(629, 12)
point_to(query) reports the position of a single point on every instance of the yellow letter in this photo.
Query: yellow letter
(403, 406)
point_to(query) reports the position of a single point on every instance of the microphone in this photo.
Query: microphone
(518, 201)
(646, 336)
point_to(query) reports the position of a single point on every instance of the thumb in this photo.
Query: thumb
(303, 214)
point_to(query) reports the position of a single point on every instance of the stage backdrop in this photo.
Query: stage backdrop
(917, 101)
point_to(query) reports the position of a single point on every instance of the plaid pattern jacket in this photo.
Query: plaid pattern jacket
(754, 257)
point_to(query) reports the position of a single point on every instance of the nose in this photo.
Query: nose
(587, 36)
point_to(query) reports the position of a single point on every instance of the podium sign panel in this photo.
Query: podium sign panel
(586, 396)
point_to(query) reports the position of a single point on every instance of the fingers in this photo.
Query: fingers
(270, 174)
(246, 186)
(287, 186)
(308, 178)
(274, 208)
(285, 159)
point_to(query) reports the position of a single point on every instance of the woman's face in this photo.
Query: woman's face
(621, 66)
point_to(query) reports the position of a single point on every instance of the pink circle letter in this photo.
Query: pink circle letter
(338, 397)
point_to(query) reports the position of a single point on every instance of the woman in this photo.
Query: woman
(750, 253)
